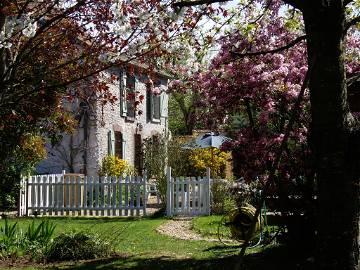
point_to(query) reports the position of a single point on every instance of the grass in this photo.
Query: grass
(207, 225)
(141, 247)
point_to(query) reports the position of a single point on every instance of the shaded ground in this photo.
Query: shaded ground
(270, 259)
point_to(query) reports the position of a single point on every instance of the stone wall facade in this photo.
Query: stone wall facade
(74, 154)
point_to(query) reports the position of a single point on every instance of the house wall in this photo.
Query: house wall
(113, 120)
(75, 154)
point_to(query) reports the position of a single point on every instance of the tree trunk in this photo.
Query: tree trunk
(332, 137)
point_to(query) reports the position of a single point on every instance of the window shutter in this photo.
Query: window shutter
(156, 107)
(131, 84)
(123, 148)
(118, 144)
(164, 104)
(111, 142)
(123, 108)
(150, 105)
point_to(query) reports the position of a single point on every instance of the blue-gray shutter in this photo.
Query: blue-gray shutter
(111, 143)
(164, 100)
(123, 147)
(122, 79)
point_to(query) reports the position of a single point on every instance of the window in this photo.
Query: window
(153, 101)
(130, 96)
(156, 106)
(127, 95)
(116, 144)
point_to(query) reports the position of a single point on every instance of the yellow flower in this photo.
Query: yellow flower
(114, 166)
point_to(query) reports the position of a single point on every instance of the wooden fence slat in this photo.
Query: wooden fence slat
(96, 185)
(137, 180)
(169, 209)
(60, 194)
(102, 187)
(109, 187)
(131, 180)
(51, 195)
(91, 193)
(79, 189)
(121, 187)
(183, 196)
(177, 194)
(115, 179)
(126, 195)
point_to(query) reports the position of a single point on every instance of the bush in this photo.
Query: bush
(78, 246)
(114, 166)
(34, 242)
(155, 156)
(221, 198)
(212, 158)
(8, 240)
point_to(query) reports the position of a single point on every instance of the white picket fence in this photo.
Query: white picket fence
(61, 194)
(188, 196)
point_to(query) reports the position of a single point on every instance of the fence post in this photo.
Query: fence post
(21, 197)
(208, 201)
(168, 193)
(145, 192)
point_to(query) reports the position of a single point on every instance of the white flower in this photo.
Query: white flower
(30, 30)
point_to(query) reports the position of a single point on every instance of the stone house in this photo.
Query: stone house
(112, 129)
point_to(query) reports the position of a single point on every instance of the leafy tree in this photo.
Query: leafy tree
(333, 130)
(53, 50)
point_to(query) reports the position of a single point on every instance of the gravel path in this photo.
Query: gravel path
(181, 229)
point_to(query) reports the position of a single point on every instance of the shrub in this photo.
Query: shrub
(212, 158)
(34, 242)
(41, 233)
(114, 166)
(221, 198)
(155, 156)
(78, 246)
(8, 239)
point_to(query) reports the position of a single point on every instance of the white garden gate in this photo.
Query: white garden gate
(188, 196)
(61, 194)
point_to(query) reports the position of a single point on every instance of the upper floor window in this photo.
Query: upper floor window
(130, 96)
(127, 94)
(154, 103)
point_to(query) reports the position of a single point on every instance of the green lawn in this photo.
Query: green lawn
(141, 247)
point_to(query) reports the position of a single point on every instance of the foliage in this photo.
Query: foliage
(114, 166)
(32, 150)
(221, 197)
(34, 242)
(212, 158)
(78, 246)
(184, 111)
(53, 52)
(41, 233)
(155, 160)
(178, 158)
(8, 240)
(24, 157)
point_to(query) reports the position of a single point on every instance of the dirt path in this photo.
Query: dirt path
(181, 229)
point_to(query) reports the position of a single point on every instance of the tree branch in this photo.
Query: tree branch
(295, 3)
(352, 22)
(196, 3)
(285, 47)
(346, 2)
